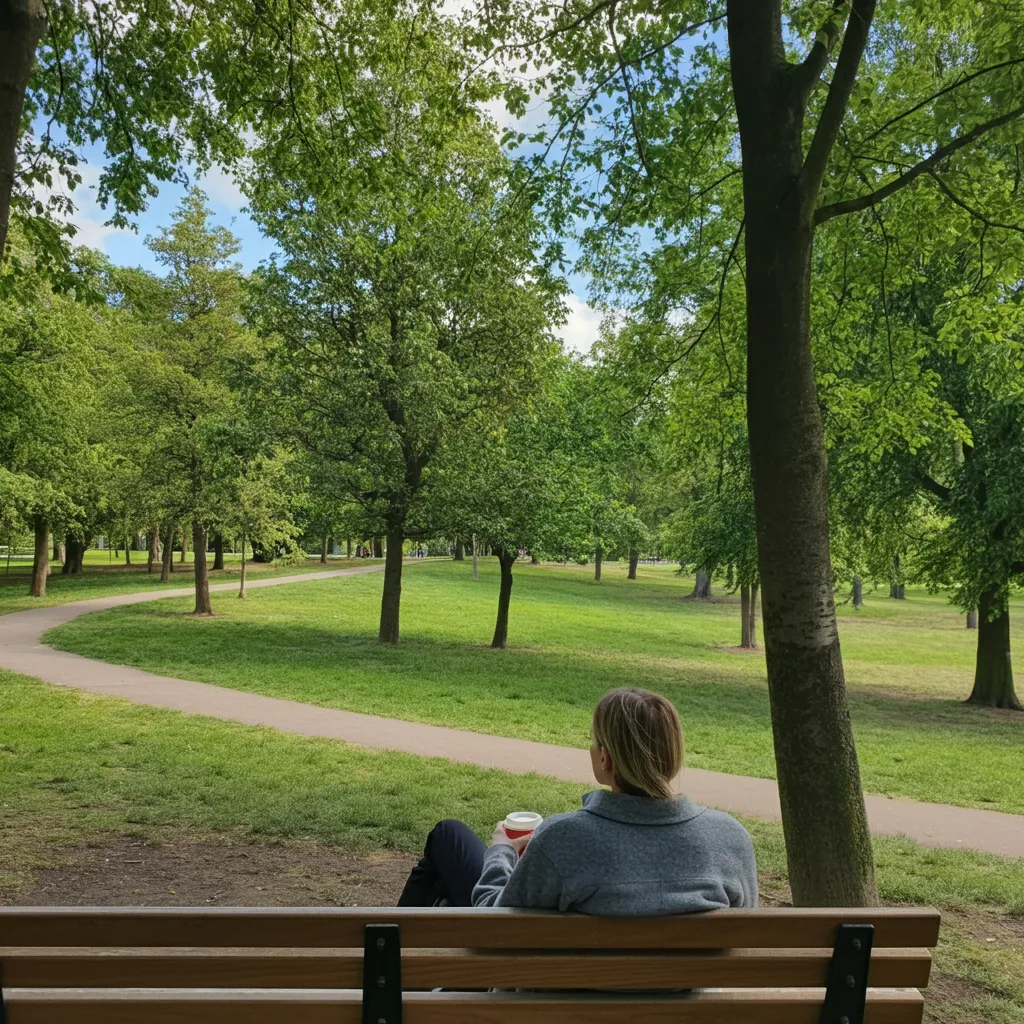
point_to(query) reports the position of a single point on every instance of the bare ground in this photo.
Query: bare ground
(130, 872)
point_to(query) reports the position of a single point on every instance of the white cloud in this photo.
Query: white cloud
(88, 217)
(221, 187)
(581, 329)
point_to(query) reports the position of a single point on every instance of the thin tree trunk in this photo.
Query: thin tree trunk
(167, 564)
(324, 548)
(22, 23)
(218, 550)
(460, 552)
(702, 586)
(476, 566)
(58, 555)
(378, 550)
(972, 619)
(993, 668)
(391, 598)
(745, 640)
(154, 548)
(634, 560)
(858, 592)
(348, 547)
(41, 555)
(828, 843)
(241, 586)
(753, 614)
(202, 576)
(184, 544)
(69, 555)
(127, 553)
(506, 559)
(598, 553)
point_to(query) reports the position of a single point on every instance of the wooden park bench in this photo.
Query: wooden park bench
(379, 966)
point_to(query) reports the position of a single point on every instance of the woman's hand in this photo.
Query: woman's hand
(501, 839)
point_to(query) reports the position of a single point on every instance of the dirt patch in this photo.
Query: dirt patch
(193, 874)
(740, 650)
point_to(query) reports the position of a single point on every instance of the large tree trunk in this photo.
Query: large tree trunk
(858, 592)
(702, 586)
(41, 556)
(828, 844)
(58, 550)
(506, 559)
(22, 23)
(324, 548)
(167, 565)
(391, 599)
(218, 550)
(972, 620)
(460, 552)
(634, 560)
(745, 640)
(199, 539)
(598, 555)
(993, 669)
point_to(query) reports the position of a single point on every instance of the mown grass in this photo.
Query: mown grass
(909, 666)
(103, 578)
(82, 770)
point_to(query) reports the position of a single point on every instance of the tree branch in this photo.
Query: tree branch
(811, 67)
(855, 40)
(629, 91)
(976, 214)
(931, 484)
(926, 166)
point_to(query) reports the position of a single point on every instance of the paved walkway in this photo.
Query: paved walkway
(21, 651)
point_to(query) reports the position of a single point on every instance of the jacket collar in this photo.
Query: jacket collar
(640, 810)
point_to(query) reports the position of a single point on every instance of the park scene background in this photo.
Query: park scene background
(491, 337)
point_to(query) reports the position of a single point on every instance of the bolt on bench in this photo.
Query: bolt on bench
(379, 965)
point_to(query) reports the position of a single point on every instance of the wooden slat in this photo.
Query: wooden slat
(481, 928)
(62, 968)
(92, 1006)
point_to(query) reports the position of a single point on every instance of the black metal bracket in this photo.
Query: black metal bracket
(382, 975)
(847, 989)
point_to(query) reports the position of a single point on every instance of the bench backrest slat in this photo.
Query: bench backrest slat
(330, 927)
(31, 968)
(43, 1006)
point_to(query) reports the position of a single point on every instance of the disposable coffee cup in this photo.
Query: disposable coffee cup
(521, 823)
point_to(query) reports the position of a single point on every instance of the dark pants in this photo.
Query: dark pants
(452, 862)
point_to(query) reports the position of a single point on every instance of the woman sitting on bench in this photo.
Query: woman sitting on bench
(636, 850)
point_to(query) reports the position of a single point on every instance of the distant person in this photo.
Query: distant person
(635, 849)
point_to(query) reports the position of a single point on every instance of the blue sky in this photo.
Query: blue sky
(128, 248)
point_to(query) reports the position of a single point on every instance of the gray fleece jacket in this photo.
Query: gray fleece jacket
(626, 856)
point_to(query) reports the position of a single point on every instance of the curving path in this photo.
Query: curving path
(21, 651)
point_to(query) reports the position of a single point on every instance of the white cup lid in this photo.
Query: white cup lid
(523, 821)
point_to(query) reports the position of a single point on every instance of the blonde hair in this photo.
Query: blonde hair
(642, 733)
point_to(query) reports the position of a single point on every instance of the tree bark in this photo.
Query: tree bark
(167, 565)
(972, 619)
(218, 550)
(154, 548)
(348, 548)
(702, 586)
(506, 559)
(993, 668)
(858, 592)
(241, 585)
(828, 844)
(41, 555)
(460, 552)
(378, 550)
(391, 599)
(22, 23)
(324, 547)
(745, 616)
(753, 614)
(184, 544)
(58, 552)
(69, 555)
(127, 552)
(202, 576)
(476, 564)
(634, 560)
(598, 555)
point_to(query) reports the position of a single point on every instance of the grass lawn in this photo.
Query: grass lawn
(909, 665)
(103, 578)
(82, 770)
